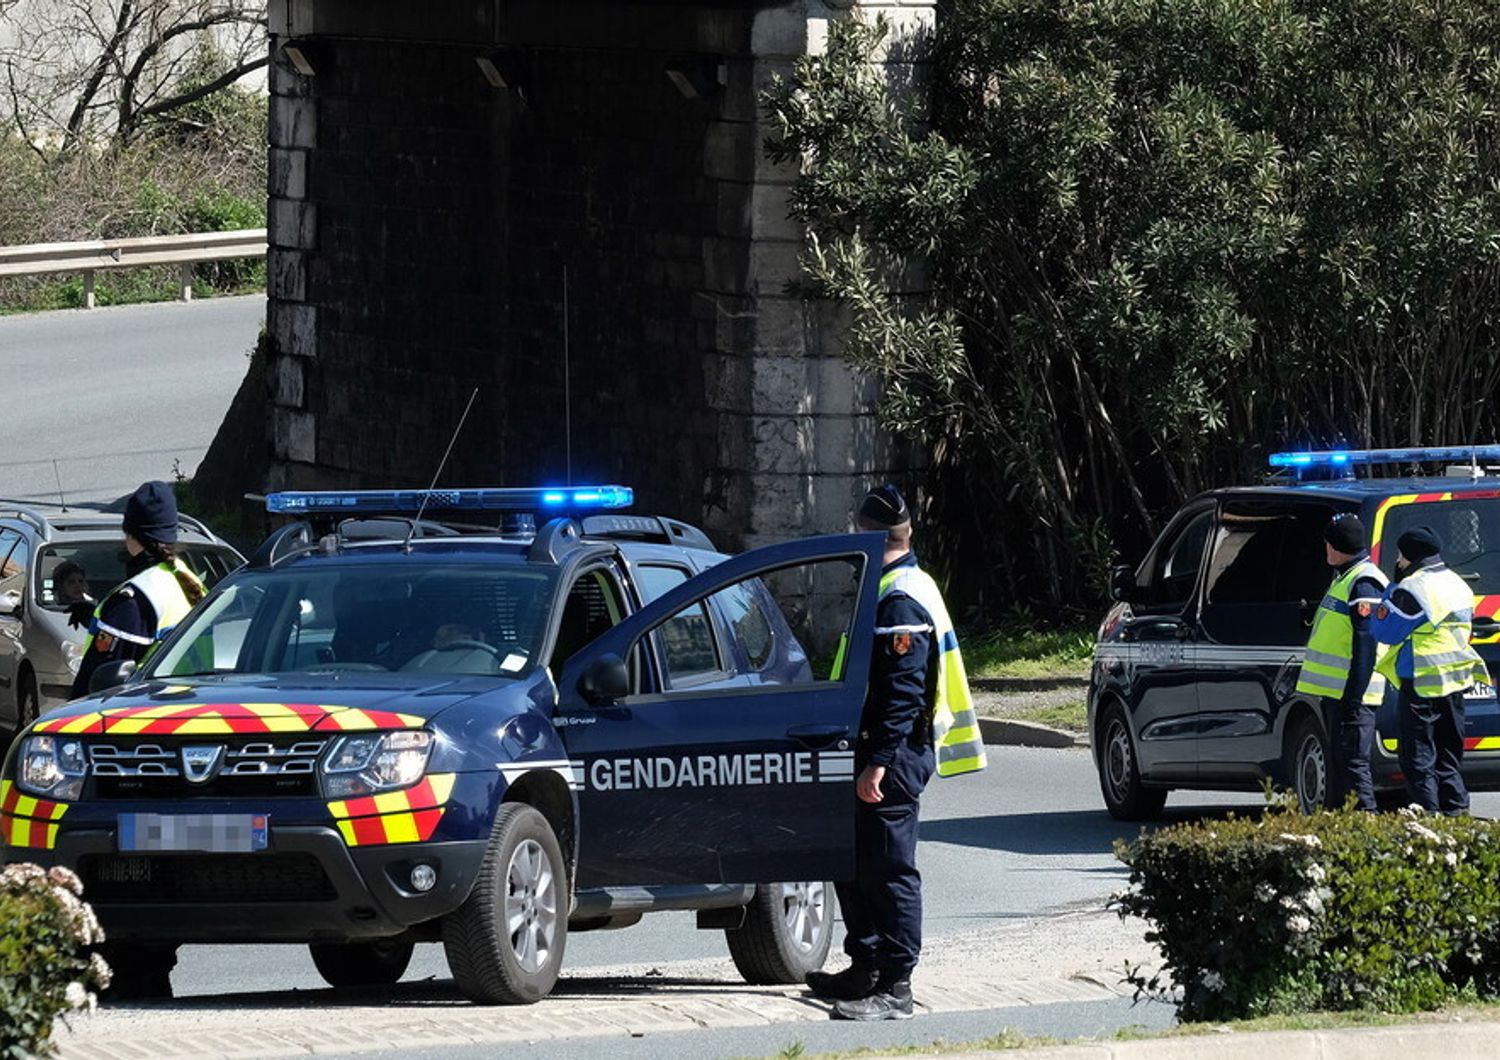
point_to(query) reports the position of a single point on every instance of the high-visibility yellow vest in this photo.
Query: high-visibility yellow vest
(1325, 666)
(1443, 661)
(955, 727)
(162, 590)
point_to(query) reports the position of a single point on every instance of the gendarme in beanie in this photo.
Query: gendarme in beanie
(1419, 543)
(151, 513)
(885, 506)
(1346, 533)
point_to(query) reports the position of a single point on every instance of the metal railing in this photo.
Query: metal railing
(89, 256)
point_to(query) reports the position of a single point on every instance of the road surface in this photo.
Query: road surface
(117, 396)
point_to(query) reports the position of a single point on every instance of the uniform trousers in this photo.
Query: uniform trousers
(1353, 731)
(882, 905)
(1432, 750)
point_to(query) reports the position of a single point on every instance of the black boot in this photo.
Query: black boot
(854, 982)
(890, 1001)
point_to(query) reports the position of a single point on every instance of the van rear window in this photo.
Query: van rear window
(1469, 527)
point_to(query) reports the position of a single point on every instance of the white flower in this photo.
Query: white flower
(100, 971)
(1311, 841)
(1265, 893)
(77, 997)
(1299, 924)
(1422, 830)
(1451, 858)
(66, 879)
(1212, 981)
(1316, 873)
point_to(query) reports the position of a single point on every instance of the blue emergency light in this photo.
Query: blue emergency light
(401, 502)
(1338, 458)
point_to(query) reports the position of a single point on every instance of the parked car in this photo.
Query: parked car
(1194, 672)
(39, 650)
(461, 728)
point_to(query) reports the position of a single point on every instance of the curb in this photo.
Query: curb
(1441, 1041)
(1026, 684)
(1011, 732)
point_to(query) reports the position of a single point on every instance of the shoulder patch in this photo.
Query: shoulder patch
(1382, 612)
(104, 643)
(1366, 609)
(901, 643)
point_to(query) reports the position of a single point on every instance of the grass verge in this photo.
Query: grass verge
(1029, 652)
(1071, 716)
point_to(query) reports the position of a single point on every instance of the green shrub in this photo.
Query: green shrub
(1333, 911)
(46, 970)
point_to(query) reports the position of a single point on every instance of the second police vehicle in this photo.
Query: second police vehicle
(1194, 676)
(413, 716)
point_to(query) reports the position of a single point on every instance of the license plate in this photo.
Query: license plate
(216, 833)
(1480, 690)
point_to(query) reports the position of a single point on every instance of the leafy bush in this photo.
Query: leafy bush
(46, 970)
(1336, 911)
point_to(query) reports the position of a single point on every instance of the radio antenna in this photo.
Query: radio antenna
(567, 382)
(411, 530)
(58, 475)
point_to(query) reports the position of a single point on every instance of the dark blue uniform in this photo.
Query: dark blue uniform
(882, 906)
(1351, 721)
(126, 627)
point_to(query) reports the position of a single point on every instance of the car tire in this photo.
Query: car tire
(788, 931)
(28, 702)
(1125, 796)
(139, 971)
(349, 964)
(1308, 766)
(523, 880)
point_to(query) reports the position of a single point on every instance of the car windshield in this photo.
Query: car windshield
(1469, 527)
(414, 618)
(66, 572)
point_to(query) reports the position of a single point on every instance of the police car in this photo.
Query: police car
(412, 716)
(1194, 673)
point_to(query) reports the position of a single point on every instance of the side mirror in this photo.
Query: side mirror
(111, 675)
(606, 680)
(1122, 587)
(10, 603)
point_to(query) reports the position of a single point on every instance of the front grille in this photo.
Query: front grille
(251, 766)
(203, 878)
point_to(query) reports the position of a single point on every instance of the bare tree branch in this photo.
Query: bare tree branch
(222, 81)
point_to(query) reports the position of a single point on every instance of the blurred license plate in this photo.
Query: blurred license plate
(218, 833)
(1480, 690)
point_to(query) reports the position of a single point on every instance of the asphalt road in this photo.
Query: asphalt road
(116, 396)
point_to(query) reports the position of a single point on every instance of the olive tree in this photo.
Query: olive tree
(1159, 238)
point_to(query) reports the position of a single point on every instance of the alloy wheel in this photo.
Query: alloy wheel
(805, 908)
(531, 906)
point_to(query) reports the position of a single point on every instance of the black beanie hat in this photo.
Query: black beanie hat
(1346, 533)
(885, 506)
(151, 513)
(1419, 543)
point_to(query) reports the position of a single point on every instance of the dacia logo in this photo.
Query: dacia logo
(199, 764)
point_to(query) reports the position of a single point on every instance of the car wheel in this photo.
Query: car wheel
(505, 943)
(139, 971)
(787, 933)
(28, 702)
(1308, 766)
(1126, 797)
(347, 964)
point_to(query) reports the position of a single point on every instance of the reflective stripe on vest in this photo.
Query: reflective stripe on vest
(1330, 648)
(1443, 662)
(955, 727)
(162, 590)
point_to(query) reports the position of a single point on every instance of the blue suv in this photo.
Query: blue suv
(412, 716)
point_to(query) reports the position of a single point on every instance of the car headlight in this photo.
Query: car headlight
(53, 766)
(73, 655)
(374, 762)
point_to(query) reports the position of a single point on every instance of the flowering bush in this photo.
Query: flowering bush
(46, 968)
(1331, 911)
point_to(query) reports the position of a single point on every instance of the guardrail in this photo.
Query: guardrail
(90, 256)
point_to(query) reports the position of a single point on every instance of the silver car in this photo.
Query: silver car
(39, 553)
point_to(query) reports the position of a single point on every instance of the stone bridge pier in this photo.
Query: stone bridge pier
(438, 168)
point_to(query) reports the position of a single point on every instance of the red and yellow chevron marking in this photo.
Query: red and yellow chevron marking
(409, 816)
(227, 719)
(26, 821)
(1471, 743)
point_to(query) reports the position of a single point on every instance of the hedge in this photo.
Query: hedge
(1333, 911)
(46, 967)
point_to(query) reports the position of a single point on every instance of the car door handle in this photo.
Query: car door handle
(816, 737)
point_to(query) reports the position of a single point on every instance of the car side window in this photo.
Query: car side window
(13, 566)
(592, 605)
(1175, 569)
(1267, 572)
(745, 612)
(685, 642)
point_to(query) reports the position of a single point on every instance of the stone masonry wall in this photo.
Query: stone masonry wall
(421, 220)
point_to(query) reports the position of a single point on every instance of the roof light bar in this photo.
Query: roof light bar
(399, 502)
(1352, 457)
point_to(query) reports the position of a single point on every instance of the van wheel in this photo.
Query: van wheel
(139, 971)
(505, 943)
(787, 933)
(1126, 797)
(348, 964)
(1309, 766)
